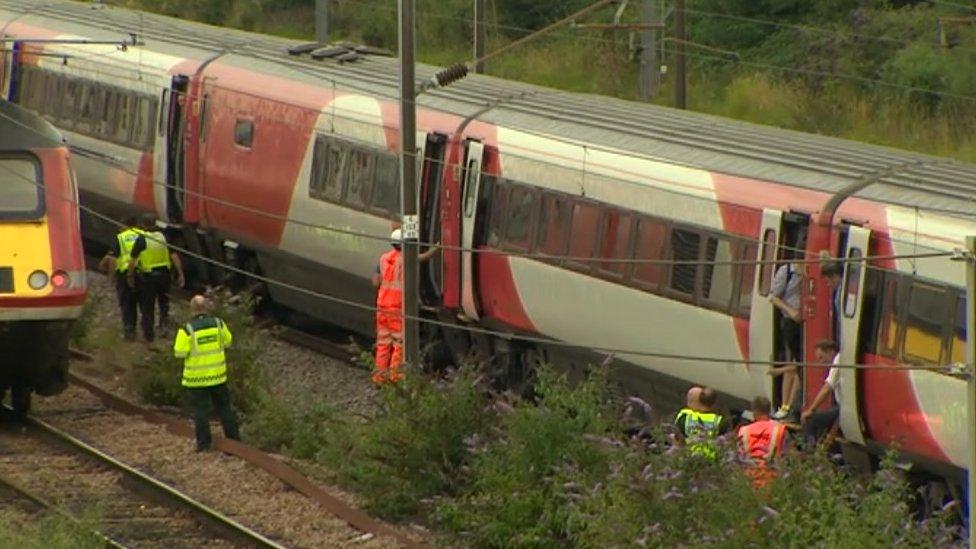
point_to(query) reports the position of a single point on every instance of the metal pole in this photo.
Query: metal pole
(322, 21)
(408, 186)
(480, 34)
(649, 69)
(680, 67)
(971, 370)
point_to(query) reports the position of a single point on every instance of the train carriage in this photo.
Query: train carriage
(581, 221)
(42, 276)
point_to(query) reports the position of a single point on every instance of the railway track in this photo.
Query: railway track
(59, 473)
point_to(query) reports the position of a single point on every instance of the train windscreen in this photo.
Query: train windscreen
(20, 188)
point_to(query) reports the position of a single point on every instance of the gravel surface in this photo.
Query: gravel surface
(298, 372)
(225, 482)
(243, 492)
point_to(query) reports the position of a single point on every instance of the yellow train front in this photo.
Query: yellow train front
(42, 269)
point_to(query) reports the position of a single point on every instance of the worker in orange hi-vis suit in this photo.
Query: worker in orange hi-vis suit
(389, 311)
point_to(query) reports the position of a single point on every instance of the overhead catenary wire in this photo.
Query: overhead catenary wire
(541, 255)
(379, 237)
(484, 331)
(782, 68)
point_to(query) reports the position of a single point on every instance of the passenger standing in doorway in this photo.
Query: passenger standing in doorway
(833, 273)
(116, 263)
(151, 271)
(786, 293)
(388, 280)
(201, 343)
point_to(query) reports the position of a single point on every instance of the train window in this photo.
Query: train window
(615, 242)
(852, 286)
(890, 319)
(747, 275)
(385, 195)
(582, 235)
(123, 118)
(244, 133)
(958, 337)
(20, 190)
(162, 116)
(768, 261)
(53, 99)
(923, 324)
(553, 235)
(83, 108)
(522, 212)
(147, 121)
(361, 164)
(499, 212)
(684, 247)
(717, 278)
(652, 237)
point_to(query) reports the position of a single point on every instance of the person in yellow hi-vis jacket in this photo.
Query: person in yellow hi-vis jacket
(201, 343)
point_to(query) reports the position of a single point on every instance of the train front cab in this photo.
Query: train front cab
(42, 278)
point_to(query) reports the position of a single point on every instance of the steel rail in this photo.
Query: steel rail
(280, 470)
(213, 519)
(46, 505)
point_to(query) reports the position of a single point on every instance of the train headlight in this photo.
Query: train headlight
(60, 279)
(37, 280)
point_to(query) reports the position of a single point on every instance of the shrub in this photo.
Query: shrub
(522, 480)
(415, 448)
(158, 376)
(82, 327)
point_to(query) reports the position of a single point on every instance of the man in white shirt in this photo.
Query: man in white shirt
(816, 423)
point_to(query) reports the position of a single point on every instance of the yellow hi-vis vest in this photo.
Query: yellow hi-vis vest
(701, 430)
(201, 343)
(127, 239)
(156, 254)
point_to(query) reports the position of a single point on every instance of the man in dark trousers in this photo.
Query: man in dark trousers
(116, 263)
(151, 271)
(201, 343)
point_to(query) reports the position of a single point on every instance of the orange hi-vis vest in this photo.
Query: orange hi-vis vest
(763, 440)
(390, 295)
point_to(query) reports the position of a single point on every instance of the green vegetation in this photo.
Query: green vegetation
(158, 375)
(81, 330)
(51, 532)
(496, 471)
(883, 71)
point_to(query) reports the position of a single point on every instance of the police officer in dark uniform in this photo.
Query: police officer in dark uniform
(151, 271)
(116, 263)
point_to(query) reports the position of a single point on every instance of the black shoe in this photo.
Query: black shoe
(129, 337)
(203, 449)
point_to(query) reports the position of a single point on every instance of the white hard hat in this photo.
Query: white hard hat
(396, 237)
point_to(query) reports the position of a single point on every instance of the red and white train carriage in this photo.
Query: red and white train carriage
(567, 217)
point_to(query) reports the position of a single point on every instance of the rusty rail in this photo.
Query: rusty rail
(280, 470)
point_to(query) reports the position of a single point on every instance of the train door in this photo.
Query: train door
(782, 235)
(175, 163)
(762, 315)
(848, 309)
(432, 174)
(470, 192)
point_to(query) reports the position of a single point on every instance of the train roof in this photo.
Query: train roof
(697, 140)
(21, 129)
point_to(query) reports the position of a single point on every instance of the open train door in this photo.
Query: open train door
(431, 181)
(173, 126)
(470, 192)
(848, 317)
(762, 315)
